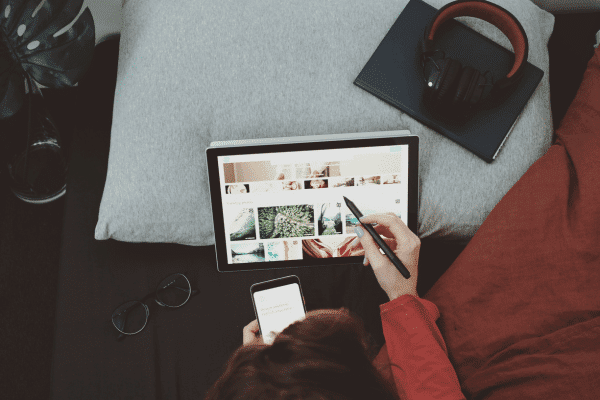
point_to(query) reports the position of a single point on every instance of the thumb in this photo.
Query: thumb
(250, 332)
(371, 248)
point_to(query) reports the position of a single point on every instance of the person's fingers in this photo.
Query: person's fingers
(406, 247)
(250, 332)
(252, 327)
(372, 252)
(383, 230)
(391, 221)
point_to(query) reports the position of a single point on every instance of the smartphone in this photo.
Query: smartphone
(278, 303)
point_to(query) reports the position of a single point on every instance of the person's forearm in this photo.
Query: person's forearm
(416, 349)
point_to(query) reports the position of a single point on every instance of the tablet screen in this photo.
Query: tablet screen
(288, 206)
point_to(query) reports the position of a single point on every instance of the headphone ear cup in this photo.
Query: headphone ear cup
(478, 91)
(451, 71)
(464, 90)
(437, 70)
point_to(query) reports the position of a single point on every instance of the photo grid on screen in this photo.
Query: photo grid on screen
(290, 206)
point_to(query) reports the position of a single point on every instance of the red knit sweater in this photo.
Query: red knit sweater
(414, 356)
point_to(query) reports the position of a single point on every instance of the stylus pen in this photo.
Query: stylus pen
(380, 242)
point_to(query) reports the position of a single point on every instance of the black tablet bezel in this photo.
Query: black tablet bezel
(217, 205)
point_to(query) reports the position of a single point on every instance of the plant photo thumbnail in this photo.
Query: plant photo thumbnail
(286, 221)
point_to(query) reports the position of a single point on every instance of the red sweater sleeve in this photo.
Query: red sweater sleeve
(415, 356)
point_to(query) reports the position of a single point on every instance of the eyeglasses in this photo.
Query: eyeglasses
(131, 317)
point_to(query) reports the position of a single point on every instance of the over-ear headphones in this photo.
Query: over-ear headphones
(454, 90)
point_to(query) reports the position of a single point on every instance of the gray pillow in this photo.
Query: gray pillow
(191, 72)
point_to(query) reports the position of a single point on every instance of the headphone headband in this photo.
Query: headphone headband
(492, 13)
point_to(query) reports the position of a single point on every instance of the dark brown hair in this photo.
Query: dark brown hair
(328, 356)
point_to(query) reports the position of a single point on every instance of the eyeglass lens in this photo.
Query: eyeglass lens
(173, 291)
(130, 317)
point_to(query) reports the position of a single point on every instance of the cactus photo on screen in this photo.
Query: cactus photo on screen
(286, 221)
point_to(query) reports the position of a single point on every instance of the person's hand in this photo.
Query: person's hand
(407, 249)
(251, 334)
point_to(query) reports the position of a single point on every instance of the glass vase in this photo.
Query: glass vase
(38, 169)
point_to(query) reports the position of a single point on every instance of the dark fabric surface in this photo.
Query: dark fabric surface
(181, 351)
(520, 311)
(30, 235)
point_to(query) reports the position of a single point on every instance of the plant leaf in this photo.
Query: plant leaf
(52, 16)
(27, 28)
(67, 58)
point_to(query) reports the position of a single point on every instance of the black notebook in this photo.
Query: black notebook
(394, 75)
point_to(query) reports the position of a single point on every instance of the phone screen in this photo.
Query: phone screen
(277, 308)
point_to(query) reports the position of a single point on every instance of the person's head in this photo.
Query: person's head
(327, 355)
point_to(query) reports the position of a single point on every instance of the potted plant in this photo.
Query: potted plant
(33, 54)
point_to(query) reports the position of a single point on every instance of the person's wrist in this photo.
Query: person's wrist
(399, 293)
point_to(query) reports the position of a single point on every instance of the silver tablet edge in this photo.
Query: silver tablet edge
(314, 138)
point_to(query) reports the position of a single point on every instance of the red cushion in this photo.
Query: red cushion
(520, 307)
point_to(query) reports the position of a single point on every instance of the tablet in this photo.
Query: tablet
(278, 202)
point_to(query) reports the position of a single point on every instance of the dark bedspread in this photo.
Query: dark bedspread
(182, 351)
